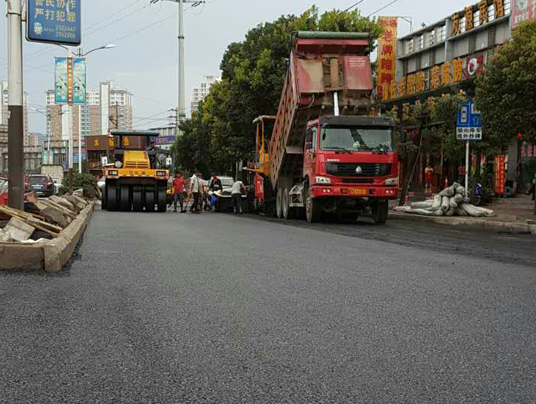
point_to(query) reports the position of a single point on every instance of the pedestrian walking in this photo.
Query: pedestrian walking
(215, 189)
(195, 190)
(428, 178)
(179, 192)
(236, 193)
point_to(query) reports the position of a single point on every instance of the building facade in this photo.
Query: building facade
(200, 93)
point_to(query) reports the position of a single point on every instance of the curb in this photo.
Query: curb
(51, 255)
(457, 221)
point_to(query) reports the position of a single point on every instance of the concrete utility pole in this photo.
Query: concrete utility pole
(181, 108)
(15, 106)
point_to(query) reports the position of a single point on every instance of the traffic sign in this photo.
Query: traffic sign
(469, 123)
(54, 21)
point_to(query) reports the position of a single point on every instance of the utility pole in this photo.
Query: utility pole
(71, 137)
(15, 106)
(181, 108)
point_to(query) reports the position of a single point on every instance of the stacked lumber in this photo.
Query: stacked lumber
(449, 202)
(42, 218)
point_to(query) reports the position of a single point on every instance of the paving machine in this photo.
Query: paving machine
(138, 180)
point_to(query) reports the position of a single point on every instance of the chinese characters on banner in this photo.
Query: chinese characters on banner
(500, 175)
(387, 55)
(54, 21)
(70, 81)
(523, 10)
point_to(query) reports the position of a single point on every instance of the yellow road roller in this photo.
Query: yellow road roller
(137, 181)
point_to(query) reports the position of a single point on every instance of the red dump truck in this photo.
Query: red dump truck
(326, 153)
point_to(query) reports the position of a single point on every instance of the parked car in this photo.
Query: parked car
(41, 184)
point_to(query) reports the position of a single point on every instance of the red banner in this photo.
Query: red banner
(500, 175)
(70, 81)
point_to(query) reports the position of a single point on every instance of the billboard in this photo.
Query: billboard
(387, 55)
(522, 10)
(54, 21)
(70, 81)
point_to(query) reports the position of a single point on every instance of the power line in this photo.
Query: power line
(355, 5)
(384, 7)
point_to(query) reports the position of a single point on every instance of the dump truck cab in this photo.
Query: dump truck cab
(137, 181)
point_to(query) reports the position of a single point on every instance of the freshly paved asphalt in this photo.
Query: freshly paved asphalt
(164, 308)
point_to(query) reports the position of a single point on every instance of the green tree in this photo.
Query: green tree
(506, 91)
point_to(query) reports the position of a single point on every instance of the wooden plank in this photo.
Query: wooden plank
(30, 220)
(59, 207)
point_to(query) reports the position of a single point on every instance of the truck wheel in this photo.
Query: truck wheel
(279, 203)
(104, 199)
(288, 211)
(111, 196)
(124, 200)
(137, 200)
(312, 207)
(149, 200)
(379, 212)
(161, 200)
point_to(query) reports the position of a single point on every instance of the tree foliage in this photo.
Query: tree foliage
(253, 71)
(506, 91)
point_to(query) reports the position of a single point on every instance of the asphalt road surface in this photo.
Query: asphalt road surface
(182, 308)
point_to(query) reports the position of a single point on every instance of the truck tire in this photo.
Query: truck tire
(288, 211)
(104, 199)
(137, 200)
(380, 211)
(279, 203)
(149, 200)
(124, 200)
(111, 198)
(161, 200)
(313, 208)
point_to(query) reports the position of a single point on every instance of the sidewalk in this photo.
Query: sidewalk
(513, 215)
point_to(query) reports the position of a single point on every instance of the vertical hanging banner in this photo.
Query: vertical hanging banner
(54, 21)
(79, 81)
(500, 175)
(70, 81)
(522, 10)
(60, 81)
(387, 55)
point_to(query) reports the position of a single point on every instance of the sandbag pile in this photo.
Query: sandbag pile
(449, 202)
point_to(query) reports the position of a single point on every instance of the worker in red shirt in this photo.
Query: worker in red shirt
(179, 193)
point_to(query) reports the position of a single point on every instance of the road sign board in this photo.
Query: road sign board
(469, 123)
(54, 21)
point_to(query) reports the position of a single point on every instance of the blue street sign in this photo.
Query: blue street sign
(54, 21)
(469, 123)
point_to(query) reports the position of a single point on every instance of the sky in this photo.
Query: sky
(145, 58)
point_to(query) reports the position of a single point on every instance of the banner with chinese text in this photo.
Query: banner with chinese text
(387, 55)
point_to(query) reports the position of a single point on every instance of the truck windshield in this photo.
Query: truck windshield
(356, 139)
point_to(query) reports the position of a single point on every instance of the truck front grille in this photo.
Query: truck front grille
(358, 169)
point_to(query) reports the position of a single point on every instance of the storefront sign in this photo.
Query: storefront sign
(483, 9)
(387, 55)
(522, 10)
(500, 175)
(54, 21)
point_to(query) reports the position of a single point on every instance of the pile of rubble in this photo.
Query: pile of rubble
(449, 202)
(41, 219)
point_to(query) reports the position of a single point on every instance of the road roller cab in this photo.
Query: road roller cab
(137, 181)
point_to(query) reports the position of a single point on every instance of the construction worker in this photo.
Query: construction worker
(178, 192)
(195, 191)
(236, 193)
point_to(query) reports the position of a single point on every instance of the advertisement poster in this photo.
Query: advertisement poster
(523, 10)
(60, 81)
(500, 175)
(57, 22)
(387, 56)
(79, 73)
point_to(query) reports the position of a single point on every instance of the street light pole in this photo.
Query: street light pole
(15, 106)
